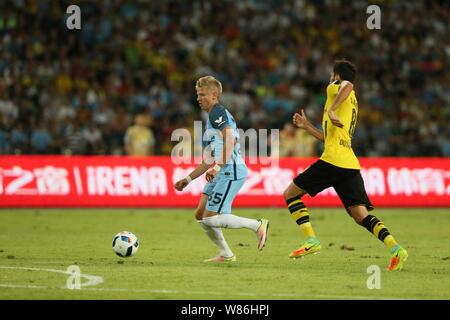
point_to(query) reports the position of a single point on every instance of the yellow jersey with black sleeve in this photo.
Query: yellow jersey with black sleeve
(338, 141)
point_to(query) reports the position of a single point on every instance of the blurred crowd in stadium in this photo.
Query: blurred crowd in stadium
(79, 91)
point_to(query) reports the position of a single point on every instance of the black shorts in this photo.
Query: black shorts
(348, 183)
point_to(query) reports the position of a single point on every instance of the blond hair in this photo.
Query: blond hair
(211, 83)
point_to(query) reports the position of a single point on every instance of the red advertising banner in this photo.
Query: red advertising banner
(60, 181)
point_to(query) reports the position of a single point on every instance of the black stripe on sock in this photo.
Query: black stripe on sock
(373, 223)
(383, 234)
(296, 207)
(289, 201)
(369, 222)
(303, 220)
(297, 204)
(224, 196)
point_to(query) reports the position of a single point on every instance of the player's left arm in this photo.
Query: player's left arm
(344, 91)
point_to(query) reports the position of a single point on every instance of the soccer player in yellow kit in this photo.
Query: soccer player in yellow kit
(338, 167)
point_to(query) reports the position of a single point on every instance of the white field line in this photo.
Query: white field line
(242, 294)
(92, 280)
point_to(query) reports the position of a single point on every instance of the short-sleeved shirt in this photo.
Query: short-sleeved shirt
(338, 141)
(219, 118)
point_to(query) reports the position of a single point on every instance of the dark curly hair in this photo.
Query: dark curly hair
(345, 69)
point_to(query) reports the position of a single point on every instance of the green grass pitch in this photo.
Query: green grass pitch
(169, 263)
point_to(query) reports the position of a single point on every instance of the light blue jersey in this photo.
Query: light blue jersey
(226, 184)
(219, 118)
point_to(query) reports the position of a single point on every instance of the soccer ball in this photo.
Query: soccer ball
(125, 244)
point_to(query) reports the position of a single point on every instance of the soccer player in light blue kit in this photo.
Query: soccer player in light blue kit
(225, 179)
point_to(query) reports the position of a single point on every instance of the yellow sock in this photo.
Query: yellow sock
(390, 242)
(307, 230)
(299, 213)
(379, 230)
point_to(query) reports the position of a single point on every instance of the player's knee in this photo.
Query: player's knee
(289, 194)
(358, 214)
(358, 220)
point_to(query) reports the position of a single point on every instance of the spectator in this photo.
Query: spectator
(94, 139)
(139, 139)
(76, 143)
(4, 143)
(19, 139)
(270, 62)
(40, 139)
(295, 143)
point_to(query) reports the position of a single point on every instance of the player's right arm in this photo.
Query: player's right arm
(300, 120)
(345, 89)
(204, 166)
(197, 172)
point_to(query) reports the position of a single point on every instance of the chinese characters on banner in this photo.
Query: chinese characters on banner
(58, 181)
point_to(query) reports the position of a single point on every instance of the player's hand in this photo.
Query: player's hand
(181, 184)
(334, 119)
(210, 174)
(300, 120)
